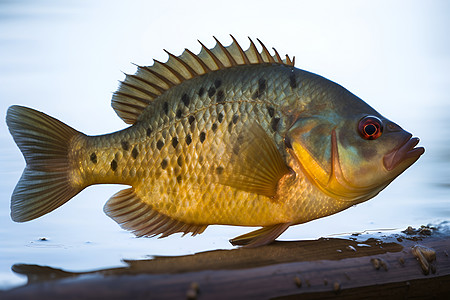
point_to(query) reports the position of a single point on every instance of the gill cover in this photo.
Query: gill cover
(316, 149)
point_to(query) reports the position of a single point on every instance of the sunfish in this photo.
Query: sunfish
(227, 137)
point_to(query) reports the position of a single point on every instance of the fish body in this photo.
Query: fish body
(223, 137)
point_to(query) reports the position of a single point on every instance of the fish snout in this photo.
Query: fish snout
(406, 150)
(392, 127)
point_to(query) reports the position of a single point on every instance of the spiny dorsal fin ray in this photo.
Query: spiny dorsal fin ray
(265, 52)
(138, 91)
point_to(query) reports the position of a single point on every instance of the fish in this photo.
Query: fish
(226, 136)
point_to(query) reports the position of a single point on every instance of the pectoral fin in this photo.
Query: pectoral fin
(260, 237)
(255, 164)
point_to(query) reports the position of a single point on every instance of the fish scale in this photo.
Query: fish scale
(227, 137)
(198, 171)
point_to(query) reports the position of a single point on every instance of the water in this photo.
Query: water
(65, 59)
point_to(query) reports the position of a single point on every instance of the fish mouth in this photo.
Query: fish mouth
(405, 151)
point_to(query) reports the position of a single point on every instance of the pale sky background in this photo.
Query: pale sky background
(65, 58)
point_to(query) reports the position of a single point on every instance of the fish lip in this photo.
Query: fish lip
(405, 150)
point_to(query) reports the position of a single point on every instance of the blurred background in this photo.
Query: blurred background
(65, 58)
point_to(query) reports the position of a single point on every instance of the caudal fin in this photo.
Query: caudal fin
(45, 183)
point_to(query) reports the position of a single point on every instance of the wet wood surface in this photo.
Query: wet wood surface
(414, 264)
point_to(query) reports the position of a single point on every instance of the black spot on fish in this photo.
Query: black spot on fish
(274, 123)
(235, 119)
(214, 127)
(185, 99)
(114, 165)
(211, 92)
(220, 117)
(287, 142)
(219, 170)
(292, 81)
(135, 153)
(220, 98)
(271, 111)
(125, 145)
(180, 160)
(202, 137)
(179, 113)
(164, 163)
(262, 85)
(217, 83)
(159, 144)
(166, 107)
(191, 119)
(179, 178)
(188, 139)
(174, 142)
(201, 91)
(149, 131)
(93, 157)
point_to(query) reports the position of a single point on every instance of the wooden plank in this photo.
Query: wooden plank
(413, 263)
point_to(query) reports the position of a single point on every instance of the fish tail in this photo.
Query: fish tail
(46, 181)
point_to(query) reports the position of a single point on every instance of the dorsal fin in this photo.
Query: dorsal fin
(137, 91)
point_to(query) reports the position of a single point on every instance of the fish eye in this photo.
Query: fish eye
(370, 128)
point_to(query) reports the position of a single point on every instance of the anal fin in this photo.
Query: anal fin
(260, 237)
(133, 214)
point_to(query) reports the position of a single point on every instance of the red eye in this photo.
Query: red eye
(370, 128)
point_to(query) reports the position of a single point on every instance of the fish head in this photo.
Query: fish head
(351, 155)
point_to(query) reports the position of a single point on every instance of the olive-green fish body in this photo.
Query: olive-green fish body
(174, 155)
(223, 137)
